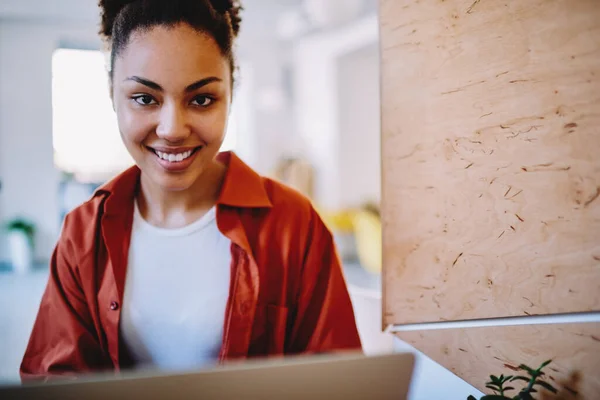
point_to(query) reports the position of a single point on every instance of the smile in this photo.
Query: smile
(176, 159)
(174, 155)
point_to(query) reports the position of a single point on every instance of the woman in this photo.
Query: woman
(189, 258)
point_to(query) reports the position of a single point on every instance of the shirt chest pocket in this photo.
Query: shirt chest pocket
(270, 330)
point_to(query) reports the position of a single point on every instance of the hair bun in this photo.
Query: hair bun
(109, 11)
(231, 7)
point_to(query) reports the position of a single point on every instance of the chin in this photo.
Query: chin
(174, 183)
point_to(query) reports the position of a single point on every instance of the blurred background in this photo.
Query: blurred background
(306, 111)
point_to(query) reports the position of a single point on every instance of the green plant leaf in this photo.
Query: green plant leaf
(506, 389)
(544, 364)
(494, 378)
(529, 370)
(508, 378)
(494, 388)
(546, 386)
(23, 225)
(520, 378)
(471, 397)
(532, 390)
(495, 397)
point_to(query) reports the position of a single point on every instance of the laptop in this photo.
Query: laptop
(347, 377)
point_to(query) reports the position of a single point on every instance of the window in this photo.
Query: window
(85, 134)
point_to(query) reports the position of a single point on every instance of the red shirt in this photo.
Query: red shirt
(287, 292)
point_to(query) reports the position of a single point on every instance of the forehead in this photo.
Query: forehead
(171, 56)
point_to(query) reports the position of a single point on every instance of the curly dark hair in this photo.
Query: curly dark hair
(218, 18)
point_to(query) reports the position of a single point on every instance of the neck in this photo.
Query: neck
(174, 209)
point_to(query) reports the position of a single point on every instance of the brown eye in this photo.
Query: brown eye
(202, 101)
(144, 100)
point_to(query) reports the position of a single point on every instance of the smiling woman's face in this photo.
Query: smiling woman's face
(171, 90)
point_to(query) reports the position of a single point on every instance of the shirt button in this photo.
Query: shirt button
(114, 305)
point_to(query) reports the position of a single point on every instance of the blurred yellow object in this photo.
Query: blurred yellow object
(367, 231)
(339, 222)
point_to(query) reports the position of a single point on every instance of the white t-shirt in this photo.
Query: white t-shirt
(176, 292)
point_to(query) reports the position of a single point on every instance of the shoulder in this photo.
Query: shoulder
(285, 198)
(84, 214)
(81, 225)
(79, 230)
(292, 208)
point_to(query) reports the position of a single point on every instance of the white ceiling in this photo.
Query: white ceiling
(87, 10)
(50, 11)
(261, 17)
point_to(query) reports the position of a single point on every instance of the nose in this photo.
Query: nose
(172, 125)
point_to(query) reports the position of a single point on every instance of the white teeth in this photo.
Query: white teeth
(174, 157)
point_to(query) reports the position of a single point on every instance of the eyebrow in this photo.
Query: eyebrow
(190, 88)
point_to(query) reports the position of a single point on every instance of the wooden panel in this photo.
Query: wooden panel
(475, 353)
(491, 158)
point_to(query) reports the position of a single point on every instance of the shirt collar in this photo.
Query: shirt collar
(242, 187)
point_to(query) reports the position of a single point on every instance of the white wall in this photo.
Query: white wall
(359, 126)
(30, 181)
(318, 109)
(55, 11)
(432, 381)
(20, 296)
(268, 133)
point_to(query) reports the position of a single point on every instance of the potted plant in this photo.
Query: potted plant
(21, 233)
(500, 385)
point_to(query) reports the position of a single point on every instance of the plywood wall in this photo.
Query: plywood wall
(491, 177)
(491, 158)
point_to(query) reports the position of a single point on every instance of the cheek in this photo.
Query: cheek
(211, 126)
(134, 126)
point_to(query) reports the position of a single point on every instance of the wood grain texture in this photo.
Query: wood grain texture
(475, 353)
(491, 158)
